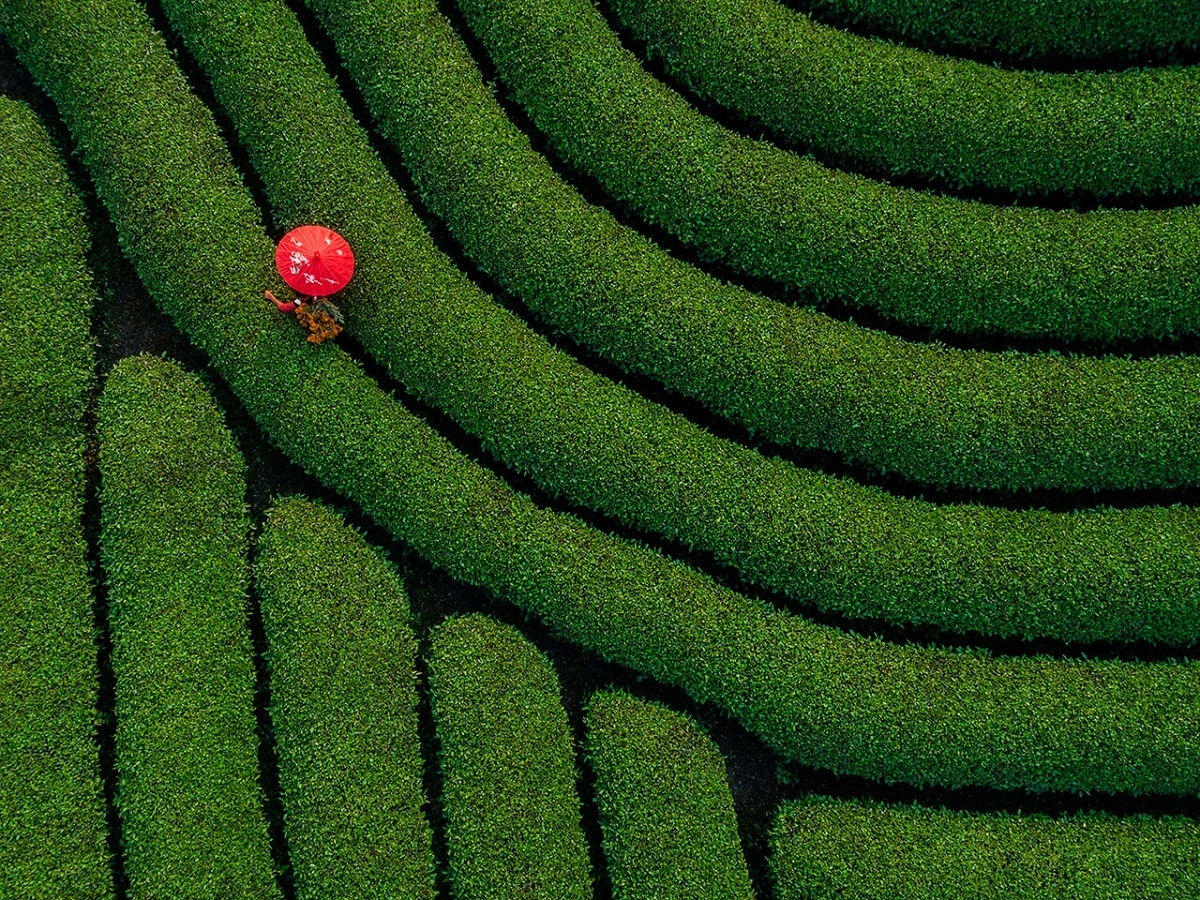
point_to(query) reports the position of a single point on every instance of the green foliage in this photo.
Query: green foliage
(902, 111)
(1046, 28)
(173, 545)
(922, 259)
(341, 656)
(937, 415)
(1092, 576)
(823, 848)
(52, 842)
(508, 766)
(818, 695)
(665, 807)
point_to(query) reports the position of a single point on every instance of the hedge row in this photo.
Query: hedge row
(173, 545)
(922, 259)
(53, 842)
(341, 656)
(823, 848)
(815, 694)
(1047, 28)
(905, 112)
(937, 415)
(508, 766)
(580, 436)
(666, 810)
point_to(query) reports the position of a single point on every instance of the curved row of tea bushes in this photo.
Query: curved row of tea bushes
(173, 545)
(901, 111)
(938, 415)
(508, 766)
(828, 699)
(1079, 29)
(52, 843)
(922, 259)
(666, 810)
(605, 448)
(341, 656)
(823, 848)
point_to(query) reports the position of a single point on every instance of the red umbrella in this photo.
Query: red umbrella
(314, 260)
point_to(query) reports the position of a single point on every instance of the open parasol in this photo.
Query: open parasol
(314, 260)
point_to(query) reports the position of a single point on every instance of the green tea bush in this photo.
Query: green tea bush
(937, 415)
(1048, 28)
(52, 843)
(508, 766)
(665, 807)
(814, 694)
(173, 545)
(341, 656)
(905, 112)
(603, 447)
(933, 261)
(824, 848)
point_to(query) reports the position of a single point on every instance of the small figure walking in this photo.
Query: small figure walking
(316, 262)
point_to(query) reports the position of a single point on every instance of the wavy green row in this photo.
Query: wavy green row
(603, 447)
(823, 848)
(670, 831)
(508, 766)
(814, 694)
(52, 844)
(1079, 29)
(341, 655)
(937, 415)
(173, 544)
(901, 111)
(926, 260)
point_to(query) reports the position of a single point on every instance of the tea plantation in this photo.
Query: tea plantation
(760, 462)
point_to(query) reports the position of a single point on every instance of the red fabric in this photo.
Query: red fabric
(314, 261)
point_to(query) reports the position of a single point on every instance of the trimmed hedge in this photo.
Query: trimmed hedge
(823, 848)
(904, 112)
(605, 448)
(814, 694)
(508, 766)
(52, 843)
(342, 656)
(666, 811)
(1047, 28)
(942, 416)
(933, 261)
(173, 545)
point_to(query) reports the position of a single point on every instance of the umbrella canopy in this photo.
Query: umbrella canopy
(314, 260)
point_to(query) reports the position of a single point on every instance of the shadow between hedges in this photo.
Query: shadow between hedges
(128, 323)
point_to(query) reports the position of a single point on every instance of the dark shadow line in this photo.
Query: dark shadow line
(802, 781)
(754, 786)
(423, 620)
(827, 13)
(753, 128)
(268, 753)
(106, 693)
(837, 307)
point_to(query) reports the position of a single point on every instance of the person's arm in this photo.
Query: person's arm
(290, 306)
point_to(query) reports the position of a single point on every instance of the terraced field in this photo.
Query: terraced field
(760, 462)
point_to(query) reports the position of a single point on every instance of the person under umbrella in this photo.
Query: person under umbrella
(316, 262)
